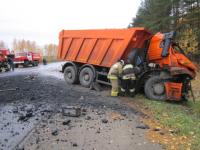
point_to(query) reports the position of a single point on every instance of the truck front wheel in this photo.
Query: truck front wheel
(26, 63)
(36, 63)
(70, 75)
(155, 88)
(16, 65)
(86, 77)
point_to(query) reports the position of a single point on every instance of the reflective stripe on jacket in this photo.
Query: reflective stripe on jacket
(112, 77)
(128, 66)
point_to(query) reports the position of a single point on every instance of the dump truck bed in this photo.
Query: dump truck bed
(100, 47)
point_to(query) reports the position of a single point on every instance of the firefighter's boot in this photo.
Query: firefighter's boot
(115, 86)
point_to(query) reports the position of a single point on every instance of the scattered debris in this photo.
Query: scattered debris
(157, 129)
(98, 131)
(162, 133)
(51, 121)
(5, 90)
(30, 77)
(142, 126)
(29, 114)
(22, 118)
(6, 140)
(117, 116)
(74, 144)
(175, 131)
(20, 148)
(104, 121)
(71, 111)
(88, 118)
(55, 132)
(15, 110)
(37, 140)
(82, 98)
(32, 98)
(83, 112)
(66, 122)
(110, 142)
(25, 117)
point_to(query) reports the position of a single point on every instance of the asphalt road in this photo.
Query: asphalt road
(37, 108)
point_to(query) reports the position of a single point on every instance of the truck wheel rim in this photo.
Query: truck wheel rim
(158, 88)
(86, 77)
(69, 75)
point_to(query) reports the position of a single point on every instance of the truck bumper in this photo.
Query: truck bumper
(18, 62)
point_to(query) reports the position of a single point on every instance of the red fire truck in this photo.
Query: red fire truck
(4, 54)
(26, 58)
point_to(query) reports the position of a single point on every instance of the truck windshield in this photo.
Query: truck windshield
(20, 54)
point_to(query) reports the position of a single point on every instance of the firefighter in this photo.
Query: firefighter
(129, 72)
(11, 63)
(113, 75)
(44, 61)
(128, 80)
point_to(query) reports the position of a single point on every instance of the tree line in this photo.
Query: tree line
(182, 16)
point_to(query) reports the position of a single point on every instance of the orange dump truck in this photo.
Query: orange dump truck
(165, 71)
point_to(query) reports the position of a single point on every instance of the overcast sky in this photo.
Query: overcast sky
(42, 20)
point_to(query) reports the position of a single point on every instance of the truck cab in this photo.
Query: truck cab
(175, 69)
(26, 59)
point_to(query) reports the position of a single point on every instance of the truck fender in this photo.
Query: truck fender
(70, 64)
(144, 76)
(90, 66)
(165, 75)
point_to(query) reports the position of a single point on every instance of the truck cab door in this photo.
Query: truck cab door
(29, 56)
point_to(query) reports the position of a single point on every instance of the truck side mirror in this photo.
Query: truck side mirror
(165, 44)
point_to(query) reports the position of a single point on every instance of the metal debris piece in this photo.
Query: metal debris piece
(66, 122)
(104, 121)
(55, 132)
(12, 89)
(71, 111)
(142, 126)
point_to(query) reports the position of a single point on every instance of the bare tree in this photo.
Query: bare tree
(51, 51)
(2, 44)
(24, 45)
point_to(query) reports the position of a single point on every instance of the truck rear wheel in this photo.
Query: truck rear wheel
(36, 63)
(86, 77)
(70, 75)
(155, 88)
(16, 65)
(26, 63)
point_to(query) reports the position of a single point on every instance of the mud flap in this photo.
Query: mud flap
(173, 90)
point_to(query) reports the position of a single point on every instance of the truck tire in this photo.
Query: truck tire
(86, 77)
(8, 67)
(26, 63)
(33, 63)
(70, 75)
(36, 63)
(155, 89)
(16, 65)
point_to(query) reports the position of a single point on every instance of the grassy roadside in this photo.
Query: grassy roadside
(182, 120)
